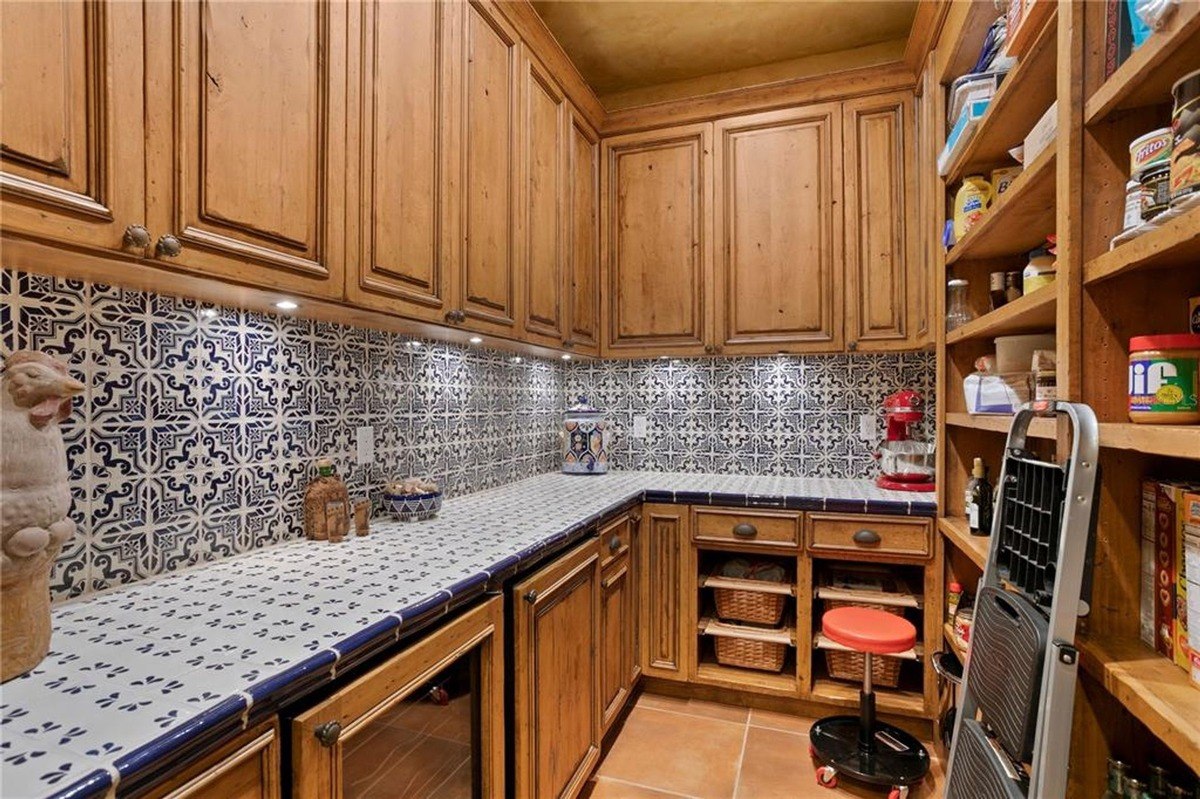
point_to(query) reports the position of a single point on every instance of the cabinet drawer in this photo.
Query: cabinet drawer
(615, 539)
(869, 535)
(738, 527)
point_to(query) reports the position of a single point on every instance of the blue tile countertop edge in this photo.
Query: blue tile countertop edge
(445, 561)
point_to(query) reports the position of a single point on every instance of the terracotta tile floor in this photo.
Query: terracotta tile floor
(674, 748)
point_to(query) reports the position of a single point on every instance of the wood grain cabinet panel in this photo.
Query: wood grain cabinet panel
(245, 768)
(616, 638)
(583, 236)
(881, 283)
(403, 104)
(543, 228)
(656, 206)
(72, 146)
(662, 554)
(779, 231)
(490, 183)
(246, 146)
(556, 643)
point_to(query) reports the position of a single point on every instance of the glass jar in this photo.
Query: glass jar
(958, 311)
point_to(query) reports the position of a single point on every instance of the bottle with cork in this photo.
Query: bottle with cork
(326, 505)
(978, 500)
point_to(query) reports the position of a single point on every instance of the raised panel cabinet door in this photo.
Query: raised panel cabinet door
(583, 236)
(490, 153)
(403, 103)
(616, 639)
(656, 202)
(556, 667)
(662, 625)
(246, 145)
(779, 231)
(544, 204)
(72, 152)
(879, 148)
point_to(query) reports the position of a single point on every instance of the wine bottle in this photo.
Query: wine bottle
(980, 510)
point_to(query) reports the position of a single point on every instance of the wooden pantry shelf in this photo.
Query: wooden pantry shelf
(1156, 691)
(761, 586)
(1038, 428)
(952, 641)
(1175, 441)
(1030, 313)
(1024, 95)
(766, 635)
(1147, 75)
(1019, 220)
(965, 28)
(887, 700)
(958, 534)
(1176, 243)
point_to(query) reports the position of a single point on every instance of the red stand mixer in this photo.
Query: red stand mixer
(905, 464)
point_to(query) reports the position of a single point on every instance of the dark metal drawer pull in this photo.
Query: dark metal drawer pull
(866, 537)
(744, 530)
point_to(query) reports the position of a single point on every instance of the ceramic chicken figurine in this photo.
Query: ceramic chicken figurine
(35, 395)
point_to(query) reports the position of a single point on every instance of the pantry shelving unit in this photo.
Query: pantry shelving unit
(1132, 703)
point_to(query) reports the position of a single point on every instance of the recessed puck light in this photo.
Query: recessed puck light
(286, 305)
(475, 340)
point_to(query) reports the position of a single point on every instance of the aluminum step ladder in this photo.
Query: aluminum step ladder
(1012, 734)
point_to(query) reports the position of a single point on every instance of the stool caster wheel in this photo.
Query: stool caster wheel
(900, 792)
(827, 777)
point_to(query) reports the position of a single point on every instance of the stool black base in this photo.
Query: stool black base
(895, 759)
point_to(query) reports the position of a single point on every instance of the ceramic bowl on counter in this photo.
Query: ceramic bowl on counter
(413, 507)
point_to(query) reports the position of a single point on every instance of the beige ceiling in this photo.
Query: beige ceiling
(624, 46)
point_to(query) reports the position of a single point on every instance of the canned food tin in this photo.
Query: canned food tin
(1185, 131)
(1156, 190)
(1152, 149)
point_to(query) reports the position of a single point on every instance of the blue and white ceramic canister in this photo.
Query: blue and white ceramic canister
(585, 440)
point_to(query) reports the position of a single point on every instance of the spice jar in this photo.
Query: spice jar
(964, 619)
(958, 312)
(1164, 379)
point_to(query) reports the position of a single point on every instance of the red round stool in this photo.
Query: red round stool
(860, 747)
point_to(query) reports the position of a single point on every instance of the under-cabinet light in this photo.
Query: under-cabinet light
(286, 305)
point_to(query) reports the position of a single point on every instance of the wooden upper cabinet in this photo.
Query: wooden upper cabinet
(583, 236)
(490, 183)
(246, 140)
(656, 203)
(779, 231)
(881, 283)
(71, 138)
(403, 104)
(543, 201)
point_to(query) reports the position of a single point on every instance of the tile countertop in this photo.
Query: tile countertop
(137, 674)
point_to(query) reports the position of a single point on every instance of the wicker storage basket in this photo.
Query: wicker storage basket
(748, 606)
(747, 654)
(885, 671)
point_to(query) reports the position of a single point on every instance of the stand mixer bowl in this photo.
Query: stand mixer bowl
(907, 461)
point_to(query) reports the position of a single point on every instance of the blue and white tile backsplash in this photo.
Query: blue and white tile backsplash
(197, 434)
(792, 416)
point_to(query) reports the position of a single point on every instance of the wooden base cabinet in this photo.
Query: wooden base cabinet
(556, 674)
(618, 616)
(372, 737)
(245, 768)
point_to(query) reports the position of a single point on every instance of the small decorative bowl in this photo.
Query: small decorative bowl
(413, 507)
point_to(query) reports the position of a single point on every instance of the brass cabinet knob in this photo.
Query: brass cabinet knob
(168, 247)
(136, 238)
(614, 543)
(328, 733)
(569, 343)
(852, 346)
(531, 597)
(710, 349)
(455, 317)
(636, 518)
